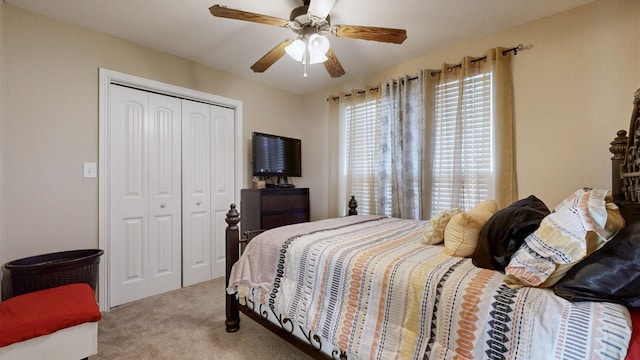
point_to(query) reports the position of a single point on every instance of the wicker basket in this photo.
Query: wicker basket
(54, 269)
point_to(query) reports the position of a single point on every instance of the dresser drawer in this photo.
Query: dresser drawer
(263, 209)
(275, 220)
(274, 202)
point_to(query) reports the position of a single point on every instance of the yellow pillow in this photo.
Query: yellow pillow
(461, 233)
(434, 233)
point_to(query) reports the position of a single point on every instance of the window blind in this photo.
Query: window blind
(362, 138)
(463, 164)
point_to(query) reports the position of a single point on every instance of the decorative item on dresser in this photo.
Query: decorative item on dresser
(369, 286)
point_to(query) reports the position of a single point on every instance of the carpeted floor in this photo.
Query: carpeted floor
(185, 324)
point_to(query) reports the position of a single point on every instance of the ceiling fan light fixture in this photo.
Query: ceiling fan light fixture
(296, 50)
(318, 45)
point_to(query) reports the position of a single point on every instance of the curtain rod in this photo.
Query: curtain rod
(503, 52)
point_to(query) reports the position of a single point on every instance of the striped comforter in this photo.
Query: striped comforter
(369, 286)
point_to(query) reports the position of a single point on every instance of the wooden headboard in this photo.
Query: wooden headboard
(625, 148)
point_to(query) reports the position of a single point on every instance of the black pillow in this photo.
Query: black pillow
(505, 231)
(612, 273)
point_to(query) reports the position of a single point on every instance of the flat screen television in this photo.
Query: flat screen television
(275, 155)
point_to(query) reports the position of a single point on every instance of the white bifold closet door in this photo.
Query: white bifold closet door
(208, 188)
(145, 187)
(171, 182)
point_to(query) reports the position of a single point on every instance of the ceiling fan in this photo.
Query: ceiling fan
(310, 22)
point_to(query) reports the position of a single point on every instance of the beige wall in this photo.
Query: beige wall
(573, 91)
(51, 123)
(3, 248)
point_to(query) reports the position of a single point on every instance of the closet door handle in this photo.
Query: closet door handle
(198, 203)
(163, 205)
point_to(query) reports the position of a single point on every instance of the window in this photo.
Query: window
(463, 164)
(362, 139)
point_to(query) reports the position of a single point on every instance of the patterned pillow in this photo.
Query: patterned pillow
(580, 225)
(434, 234)
(462, 232)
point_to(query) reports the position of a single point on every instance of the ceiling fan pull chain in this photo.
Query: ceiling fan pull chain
(304, 62)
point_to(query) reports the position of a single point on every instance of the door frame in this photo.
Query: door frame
(106, 78)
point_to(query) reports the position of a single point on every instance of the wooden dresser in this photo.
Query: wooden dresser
(263, 209)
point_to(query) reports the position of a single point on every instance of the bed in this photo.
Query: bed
(484, 283)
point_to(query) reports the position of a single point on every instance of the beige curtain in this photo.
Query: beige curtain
(497, 62)
(361, 180)
(336, 207)
(506, 185)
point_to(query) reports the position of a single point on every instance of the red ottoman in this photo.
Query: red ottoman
(56, 323)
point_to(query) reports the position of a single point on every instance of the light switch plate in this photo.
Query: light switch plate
(90, 169)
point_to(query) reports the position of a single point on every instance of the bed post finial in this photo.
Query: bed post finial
(232, 241)
(233, 216)
(353, 204)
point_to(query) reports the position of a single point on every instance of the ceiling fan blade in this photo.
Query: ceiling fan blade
(321, 8)
(271, 57)
(395, 36)
(333, 66)
(225, 12)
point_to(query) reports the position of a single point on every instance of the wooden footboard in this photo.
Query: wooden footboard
(233, 251)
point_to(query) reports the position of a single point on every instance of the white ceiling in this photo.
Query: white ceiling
(187, 29)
